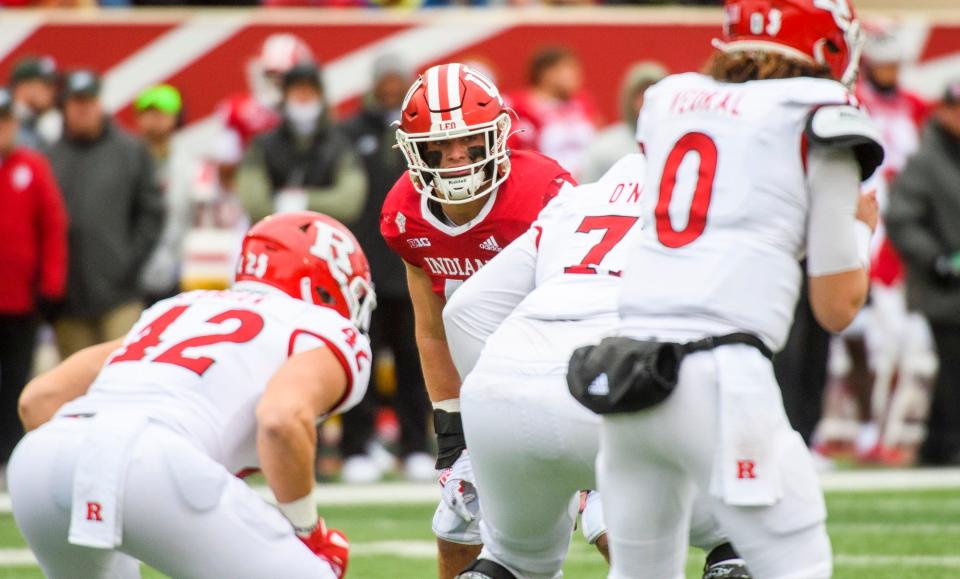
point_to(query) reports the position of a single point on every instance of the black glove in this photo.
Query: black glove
(50, 309)
(450, 440)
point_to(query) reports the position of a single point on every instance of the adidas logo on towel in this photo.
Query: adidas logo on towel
(490, 244)
(599, 386)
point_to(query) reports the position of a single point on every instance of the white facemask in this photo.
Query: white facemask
(303, 116)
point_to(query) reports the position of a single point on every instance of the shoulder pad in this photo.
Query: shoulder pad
(847, 126)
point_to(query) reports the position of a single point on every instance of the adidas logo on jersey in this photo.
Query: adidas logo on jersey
(600, 386)
(490, 244)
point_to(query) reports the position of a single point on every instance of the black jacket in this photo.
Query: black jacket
(116, 214)
(373, 140)
(923, 222)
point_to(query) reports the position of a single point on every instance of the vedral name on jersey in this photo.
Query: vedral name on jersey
(453, 266)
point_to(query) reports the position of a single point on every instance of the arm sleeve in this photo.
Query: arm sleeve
(908, 216)
(149, 208)
(833, 179)
(344, 200)
(253, 184)
(478, 307)
(53, 236)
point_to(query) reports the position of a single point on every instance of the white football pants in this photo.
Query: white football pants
(533, 447)
(653, 462)
(183, 513)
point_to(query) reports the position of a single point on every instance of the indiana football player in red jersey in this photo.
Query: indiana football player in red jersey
(464, 198)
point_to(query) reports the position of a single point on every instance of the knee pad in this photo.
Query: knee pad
(485, 569)
(592, 523)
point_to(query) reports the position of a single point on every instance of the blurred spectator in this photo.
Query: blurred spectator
(898, 362)
(33, 260)
(621, 138)
(116, 215)
(555, 115)
(211, 245)
(922, 223)
(256, 111)
(373, 140)
(159, 110)
(306, 162)
(34, 85)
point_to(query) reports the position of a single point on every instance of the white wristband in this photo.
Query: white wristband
(448, 405)
(864, 235)
(302, 513)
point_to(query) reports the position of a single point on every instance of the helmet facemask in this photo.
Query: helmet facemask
(488, 168)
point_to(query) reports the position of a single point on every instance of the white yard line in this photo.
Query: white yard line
(427, 550)
(910, 561)
(893, 479)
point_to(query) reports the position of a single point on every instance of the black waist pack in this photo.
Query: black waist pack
(626, 375)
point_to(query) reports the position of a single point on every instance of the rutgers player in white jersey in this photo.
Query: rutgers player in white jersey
(532, 446)
(750, 165)
(131, 444)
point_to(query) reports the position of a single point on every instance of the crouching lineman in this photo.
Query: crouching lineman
(132, 443)
(532, 445)
(752, 164)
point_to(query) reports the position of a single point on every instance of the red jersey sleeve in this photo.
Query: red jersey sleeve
(52, 221)
(393, 220)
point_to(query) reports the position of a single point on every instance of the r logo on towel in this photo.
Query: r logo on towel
(93, 512)
(745, 469)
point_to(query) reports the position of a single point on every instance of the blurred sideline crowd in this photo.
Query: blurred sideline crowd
(103, 221)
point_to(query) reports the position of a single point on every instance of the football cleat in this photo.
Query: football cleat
(724, 563)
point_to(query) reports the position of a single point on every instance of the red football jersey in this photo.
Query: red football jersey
(247, 116)
(448, 253)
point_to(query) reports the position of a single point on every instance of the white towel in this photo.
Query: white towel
(96, 518)
(746, 470)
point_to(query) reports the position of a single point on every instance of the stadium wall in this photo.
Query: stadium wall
(204, 53)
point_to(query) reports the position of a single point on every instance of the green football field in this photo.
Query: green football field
(876, 535)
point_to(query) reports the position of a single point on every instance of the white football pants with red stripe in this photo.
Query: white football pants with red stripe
(652, 463)
(534, 447)
(183, 513)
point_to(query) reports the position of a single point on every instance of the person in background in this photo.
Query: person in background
(159, 112)
(555, 115)
(922, 224)
(34, 85)
(116, 216)
(620, 139)
(889, 350)
(306, 162)
(372, 135)
(34, 262)
(242, 116)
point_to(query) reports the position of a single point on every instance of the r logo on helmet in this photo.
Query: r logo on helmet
(334, 248)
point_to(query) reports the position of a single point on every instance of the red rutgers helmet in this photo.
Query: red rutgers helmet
(451, 101)
(823, 31)
(311, 257)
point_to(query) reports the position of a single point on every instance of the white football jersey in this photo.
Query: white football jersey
(199, 362)
(583, 238)
(726, 206)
